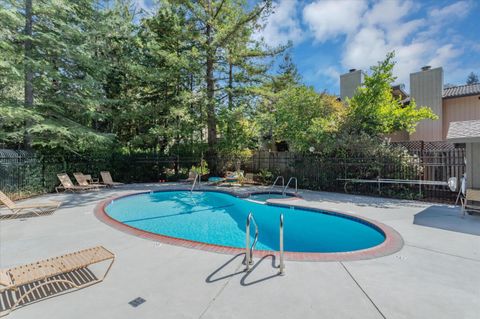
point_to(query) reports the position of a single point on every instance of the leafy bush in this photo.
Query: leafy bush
(265, 176)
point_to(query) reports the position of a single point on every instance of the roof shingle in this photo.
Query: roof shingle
(464, 130)
(461, 90)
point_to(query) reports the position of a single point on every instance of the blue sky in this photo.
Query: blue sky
(331, 36)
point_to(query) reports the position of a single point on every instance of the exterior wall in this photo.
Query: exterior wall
(473, 165)
(349, 82)
(426, 87)
(460, 109)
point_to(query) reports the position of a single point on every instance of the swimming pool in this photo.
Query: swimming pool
(217, 218)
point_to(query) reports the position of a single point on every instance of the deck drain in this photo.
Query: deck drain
(136, 302)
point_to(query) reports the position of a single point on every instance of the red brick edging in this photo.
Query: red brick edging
(393, 241)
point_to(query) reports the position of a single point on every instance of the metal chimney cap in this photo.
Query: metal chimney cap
(352, 70)
(426, 68)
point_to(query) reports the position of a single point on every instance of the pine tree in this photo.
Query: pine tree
(472, 78)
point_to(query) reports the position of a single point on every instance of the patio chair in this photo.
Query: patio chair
(471, 201)
(67, 185)
(29, 282)
(83, 181)
(107, 179)
(35, 208)
(91, 180)
(232, 177)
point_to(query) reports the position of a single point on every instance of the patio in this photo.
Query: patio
(435, 274)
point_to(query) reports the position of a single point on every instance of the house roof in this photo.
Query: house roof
(461, 90)
(464, 131)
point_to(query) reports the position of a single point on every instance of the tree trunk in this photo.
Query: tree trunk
(28, 69)
(211, 116)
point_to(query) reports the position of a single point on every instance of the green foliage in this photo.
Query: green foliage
(305, 118)
(375, 111)
(201, 169)
(265, 176)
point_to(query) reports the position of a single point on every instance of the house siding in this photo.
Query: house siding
(460, 109)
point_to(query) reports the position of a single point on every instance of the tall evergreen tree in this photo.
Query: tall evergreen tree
(472, 78)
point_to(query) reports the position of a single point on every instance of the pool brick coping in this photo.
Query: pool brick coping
(393, 241)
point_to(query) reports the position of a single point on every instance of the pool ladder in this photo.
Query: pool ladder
(289, 181)
(197, 176)
(250, 249)
(276, 180)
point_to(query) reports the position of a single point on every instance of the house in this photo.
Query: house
(451, 104)
(468, 132)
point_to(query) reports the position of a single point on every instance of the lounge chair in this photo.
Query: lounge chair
(83, 181)
(233, 177)
(107, 179)
(35, 208)
(91, 180)
(472, 195)
(25, 280)
(67, 185)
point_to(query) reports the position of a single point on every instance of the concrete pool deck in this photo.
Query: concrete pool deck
(435, 275)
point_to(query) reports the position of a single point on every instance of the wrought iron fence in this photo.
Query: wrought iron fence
(22, 172)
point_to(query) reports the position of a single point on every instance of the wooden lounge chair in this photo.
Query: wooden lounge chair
(35, 208)
(83, 181)
(67, 185)
(471, 201)
(25, 280)
(91, 180)
(107, 179)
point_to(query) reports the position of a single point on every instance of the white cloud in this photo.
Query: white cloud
(282, 25)
(444, 54)
(455, 10)
(330, 18)
(331, 72)
(375, 28)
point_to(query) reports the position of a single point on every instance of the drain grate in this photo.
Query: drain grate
(136, 302)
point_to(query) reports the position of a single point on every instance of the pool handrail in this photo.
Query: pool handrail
(296, 185)
(197, 176)
(249, 249)
(276, 180)
(281, 270)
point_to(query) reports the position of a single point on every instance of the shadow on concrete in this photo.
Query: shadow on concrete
(244, 281)
(25, 215)
(211, 278)
(80, 277)
(448, 218)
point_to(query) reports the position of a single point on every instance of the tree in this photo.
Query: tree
(472, 78)
(60, 76)
(306, 119)
(220, 25)
(374, 110)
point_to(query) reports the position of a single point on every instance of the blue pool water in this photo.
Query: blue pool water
(219, 218)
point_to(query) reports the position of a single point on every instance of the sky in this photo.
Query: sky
(329, 37)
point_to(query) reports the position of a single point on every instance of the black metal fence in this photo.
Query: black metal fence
(24, 173)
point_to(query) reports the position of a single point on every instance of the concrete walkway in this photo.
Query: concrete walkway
(435, 275)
